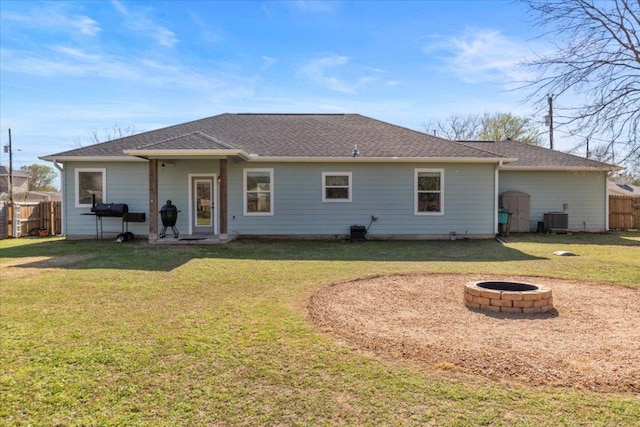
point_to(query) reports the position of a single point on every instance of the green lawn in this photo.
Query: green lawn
(100, 333)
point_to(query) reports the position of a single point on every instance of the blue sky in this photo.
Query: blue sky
(70, 68)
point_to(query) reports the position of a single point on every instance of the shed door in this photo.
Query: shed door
(519, 204)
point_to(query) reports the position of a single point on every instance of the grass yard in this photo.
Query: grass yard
(99, 333)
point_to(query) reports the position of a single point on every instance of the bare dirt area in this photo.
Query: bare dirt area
(590, 341)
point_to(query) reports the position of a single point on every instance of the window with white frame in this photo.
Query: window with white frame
(91, 185)
(258, 191)
(429, 191)
(336, 186)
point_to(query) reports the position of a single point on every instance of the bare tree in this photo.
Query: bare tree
(457, 127)
(111, 133)
(487, 127)
(597, 55)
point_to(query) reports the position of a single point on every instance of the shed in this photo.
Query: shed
(519, 205)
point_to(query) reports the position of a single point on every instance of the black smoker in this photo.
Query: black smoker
(169, 216)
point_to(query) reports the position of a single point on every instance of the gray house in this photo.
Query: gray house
(316, 175)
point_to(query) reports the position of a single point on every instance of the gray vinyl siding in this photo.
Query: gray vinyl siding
(584, 193)
(173, 184)
(127, 182)
(382, 190)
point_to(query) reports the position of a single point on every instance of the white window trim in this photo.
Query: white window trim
(244, 191)
(415, 192)
(77, 185)
(324, 187)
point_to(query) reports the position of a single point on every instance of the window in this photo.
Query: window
(336, 186)
(90, 183)
(429, 191)
(258, 191)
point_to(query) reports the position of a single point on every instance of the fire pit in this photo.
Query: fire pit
(508, 297)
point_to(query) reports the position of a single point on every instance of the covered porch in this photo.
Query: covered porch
(197, 191)
(192, 172)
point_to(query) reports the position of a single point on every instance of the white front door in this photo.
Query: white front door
(203, 204)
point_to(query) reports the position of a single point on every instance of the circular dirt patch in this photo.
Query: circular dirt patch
(591, 342)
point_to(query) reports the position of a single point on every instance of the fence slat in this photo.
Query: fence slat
(34, 218)
(624, 212)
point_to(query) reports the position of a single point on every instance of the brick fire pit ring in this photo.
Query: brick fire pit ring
(508, 297)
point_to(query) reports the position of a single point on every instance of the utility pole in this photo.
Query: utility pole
(8, 149)
(550, 120)
(588, 152)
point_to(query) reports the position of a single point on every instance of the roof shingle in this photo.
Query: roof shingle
(324, 136)
(532, 156)
(288, 135)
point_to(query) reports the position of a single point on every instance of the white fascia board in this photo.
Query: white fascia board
(560, 168)
(284, 159)
(177, 154)
(64, 159)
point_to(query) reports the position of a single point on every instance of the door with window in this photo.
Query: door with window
(203, 204)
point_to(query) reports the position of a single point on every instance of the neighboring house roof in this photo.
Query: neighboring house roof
(283, 136)
(619, 187)
(19, 179)
(532, 157)
(4, 171)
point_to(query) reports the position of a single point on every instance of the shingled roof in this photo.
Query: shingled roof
(320, 136)
(285, 136)
(4, 171)
(533, 157)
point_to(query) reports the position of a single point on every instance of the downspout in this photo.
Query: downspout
(63, 215)
(496, 183)
(606, 200)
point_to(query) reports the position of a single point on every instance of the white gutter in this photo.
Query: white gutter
(561, 168)
(496, 189)
(282, 159)
(606, 204)
(185, 154)
(63, 217)
(63, 159)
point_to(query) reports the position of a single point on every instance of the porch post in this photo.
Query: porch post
(223, 196)
(153, 199)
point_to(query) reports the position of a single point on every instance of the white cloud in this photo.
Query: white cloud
(120, 7)
(206, 32)
(318, 71)
(75, 53)
(333, 72)
(138, 21)
(315, 6)
(67, 62)
(267, 61)
(85, 25)
(481, 56)
(165, 37)
(52, 18)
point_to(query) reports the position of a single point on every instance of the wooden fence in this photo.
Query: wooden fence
(4, 212)
(624, 213)
(34, 218)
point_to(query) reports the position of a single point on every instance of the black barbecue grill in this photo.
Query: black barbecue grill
(107, 210)
(114, 210)
(169, 217)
